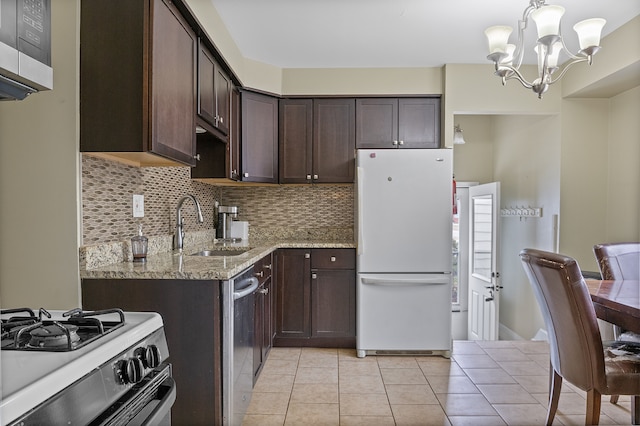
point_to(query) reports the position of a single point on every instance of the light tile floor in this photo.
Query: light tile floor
(484, 383)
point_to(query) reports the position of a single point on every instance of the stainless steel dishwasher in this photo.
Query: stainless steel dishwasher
(237, 345)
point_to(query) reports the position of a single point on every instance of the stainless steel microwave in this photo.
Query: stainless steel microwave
(25, 47)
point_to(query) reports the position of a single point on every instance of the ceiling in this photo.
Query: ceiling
(390, 33)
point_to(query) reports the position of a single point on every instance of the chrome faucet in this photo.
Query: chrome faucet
(178, 238)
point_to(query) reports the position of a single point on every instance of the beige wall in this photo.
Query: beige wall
(584, 133)
(39, 173)
(623, 186)
(354, 81)
(527, 165)
(473, 161)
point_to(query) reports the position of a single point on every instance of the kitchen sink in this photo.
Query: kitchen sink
(221, 252)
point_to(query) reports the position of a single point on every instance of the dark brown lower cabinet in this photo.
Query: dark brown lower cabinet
(332, 303)
(293, 295)
(315, 298)
(191, 313)
(263, 315)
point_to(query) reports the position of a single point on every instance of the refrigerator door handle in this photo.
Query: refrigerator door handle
(406, 281)
(360, 179)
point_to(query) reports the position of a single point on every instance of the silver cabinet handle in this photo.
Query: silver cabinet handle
(307, 255)
(395, 143)
(308, 177)
(245, 174)
(267, 266)
(259, 274)
(263, 291)
(197, 157)
(314, 276)
(333, 258)
(315, 177)
(401, 143)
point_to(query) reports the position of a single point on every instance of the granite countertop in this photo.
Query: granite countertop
(185, 266)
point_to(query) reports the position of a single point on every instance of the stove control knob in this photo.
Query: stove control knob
(150, 356)
(130, 370)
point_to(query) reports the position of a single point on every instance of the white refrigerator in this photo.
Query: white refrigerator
(404, 256)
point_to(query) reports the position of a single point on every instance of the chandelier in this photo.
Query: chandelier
(507, 58)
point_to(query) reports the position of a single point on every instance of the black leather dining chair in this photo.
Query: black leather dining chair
(578, 354)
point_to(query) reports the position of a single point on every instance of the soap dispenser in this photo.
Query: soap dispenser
(139, 245)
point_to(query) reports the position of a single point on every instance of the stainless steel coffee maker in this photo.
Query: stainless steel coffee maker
(226, 214)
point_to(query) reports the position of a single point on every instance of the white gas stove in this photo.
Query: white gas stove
(78, 367)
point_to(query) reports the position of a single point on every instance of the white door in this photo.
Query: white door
(484, 278)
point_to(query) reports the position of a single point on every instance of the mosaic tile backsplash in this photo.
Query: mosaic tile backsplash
(108, 188)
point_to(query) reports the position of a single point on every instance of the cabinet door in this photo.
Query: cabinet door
(258, 332)
(234, 136)
(206, 90)
(223, 99)
(269, 310)
(295, 138)
(333, 140)
(333, 301)
(293, 274)
(376, 123)
(419, 122)
(173, 82)
(259, 138)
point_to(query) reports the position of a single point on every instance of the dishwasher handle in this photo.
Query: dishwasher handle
(250, 287)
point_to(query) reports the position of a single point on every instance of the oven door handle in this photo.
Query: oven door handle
(251, 286)
(164, 405)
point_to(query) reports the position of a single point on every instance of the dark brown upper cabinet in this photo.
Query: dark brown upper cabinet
(234, 135)
(137, 82)
(214, 92)
(317, 140)
(296, 139)
(219, 160)
(259, 137)
(398, 123)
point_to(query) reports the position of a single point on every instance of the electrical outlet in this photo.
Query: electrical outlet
(138, 205)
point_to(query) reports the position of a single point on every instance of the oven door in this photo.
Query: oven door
(147, 403)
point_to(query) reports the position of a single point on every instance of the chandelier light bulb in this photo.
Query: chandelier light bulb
(589, 32)
(547, 19)
(554, 54)
(498, 37)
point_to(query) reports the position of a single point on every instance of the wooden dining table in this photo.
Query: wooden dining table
(617, 302)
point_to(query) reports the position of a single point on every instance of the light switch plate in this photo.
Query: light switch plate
(138, 205)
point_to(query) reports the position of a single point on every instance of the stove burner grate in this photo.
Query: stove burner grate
(30, 332)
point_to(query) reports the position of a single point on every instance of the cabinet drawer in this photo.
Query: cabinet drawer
(333, 259)
(262, 268)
